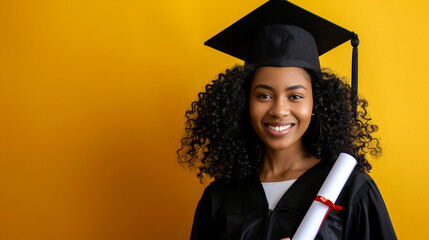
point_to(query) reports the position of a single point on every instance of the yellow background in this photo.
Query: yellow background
(93, 93)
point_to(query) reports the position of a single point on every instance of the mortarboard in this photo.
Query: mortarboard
(279, 33)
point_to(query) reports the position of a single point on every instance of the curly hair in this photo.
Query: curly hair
(220, 142)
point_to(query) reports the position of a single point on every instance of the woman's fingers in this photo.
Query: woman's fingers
(285, 239)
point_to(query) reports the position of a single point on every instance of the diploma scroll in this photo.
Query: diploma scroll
(330, 190)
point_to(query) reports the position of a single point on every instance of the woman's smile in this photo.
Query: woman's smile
(278, 128)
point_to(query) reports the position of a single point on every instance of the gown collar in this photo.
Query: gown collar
(302, 192)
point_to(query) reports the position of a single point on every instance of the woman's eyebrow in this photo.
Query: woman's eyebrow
(295, 87)
(264, 86)
(287, 89)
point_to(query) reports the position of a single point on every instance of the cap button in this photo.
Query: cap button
(355, 40)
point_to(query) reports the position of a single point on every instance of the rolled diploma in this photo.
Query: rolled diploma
(330, 190)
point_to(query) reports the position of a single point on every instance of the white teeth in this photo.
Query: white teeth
(279, 128)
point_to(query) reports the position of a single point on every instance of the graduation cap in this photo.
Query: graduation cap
(281, 34)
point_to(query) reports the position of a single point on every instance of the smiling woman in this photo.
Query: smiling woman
(237, 143)
(270, 131)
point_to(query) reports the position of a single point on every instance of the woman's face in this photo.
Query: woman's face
(281, 104)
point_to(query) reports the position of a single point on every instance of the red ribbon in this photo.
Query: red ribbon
(328, 203)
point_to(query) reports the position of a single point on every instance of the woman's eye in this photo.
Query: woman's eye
(295, 97)
(264, 96)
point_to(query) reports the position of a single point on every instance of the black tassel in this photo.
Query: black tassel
(355, 42)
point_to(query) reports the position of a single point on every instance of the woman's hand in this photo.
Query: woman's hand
(285, 239)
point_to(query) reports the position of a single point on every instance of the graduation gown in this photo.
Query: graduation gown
(240, 210)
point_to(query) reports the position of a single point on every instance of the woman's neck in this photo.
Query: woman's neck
(285, 164)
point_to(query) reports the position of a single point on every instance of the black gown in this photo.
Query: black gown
(240, 210)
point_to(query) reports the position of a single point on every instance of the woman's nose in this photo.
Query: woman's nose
(280, 108)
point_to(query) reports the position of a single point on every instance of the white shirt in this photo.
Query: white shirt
(274, 191)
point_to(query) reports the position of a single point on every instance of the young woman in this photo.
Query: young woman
(269, 132)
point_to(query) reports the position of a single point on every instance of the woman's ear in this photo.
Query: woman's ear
(314, 109)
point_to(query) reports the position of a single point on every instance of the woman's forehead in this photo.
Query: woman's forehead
(281, 76)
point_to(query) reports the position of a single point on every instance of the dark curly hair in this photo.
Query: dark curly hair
(220, 142)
